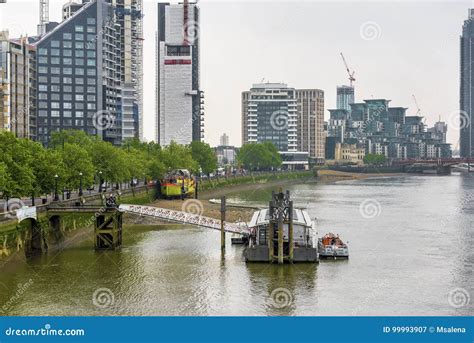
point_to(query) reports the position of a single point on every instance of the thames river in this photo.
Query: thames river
(411, 244)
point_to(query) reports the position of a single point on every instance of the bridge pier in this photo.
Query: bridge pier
(443, 170)
(34, 239)
(108, 231)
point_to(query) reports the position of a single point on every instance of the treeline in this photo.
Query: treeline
(29, 169)
(259, 156)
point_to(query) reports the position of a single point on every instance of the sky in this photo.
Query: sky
(397, 49)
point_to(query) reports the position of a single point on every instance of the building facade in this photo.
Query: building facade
(4, 81)
(467, 86)
(179, 110)
(293, 120)
(349, 153)
(345, 97)
(88, 74)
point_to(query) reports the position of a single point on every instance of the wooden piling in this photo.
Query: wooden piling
(280, 237)
(270, 232)
(290, 232)
(222, 224)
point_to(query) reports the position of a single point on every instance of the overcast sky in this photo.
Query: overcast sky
(396, 49)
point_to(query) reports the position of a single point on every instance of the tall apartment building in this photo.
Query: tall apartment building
(89, 71)
(4, 82)
(291, 119)
(179, 111)
(19, 101)
(345, 97)
(467, 86)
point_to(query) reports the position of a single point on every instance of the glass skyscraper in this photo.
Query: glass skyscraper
(466, 89)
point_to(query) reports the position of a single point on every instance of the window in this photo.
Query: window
(91, 106)
(43, 96)
(43, 70)
(90, 97)
(67, 105)
(55, 114)
(91, 53)
(67, 36)
(91, 38)
(54, 52)
(42, 113)
(79, 97)
(79, 28)
(54, 104)
(91, 29)
(80, 53)
(42, 104)
(43, 51)
(43, 88)
(90, 72)
(79, 122)
(79, 89)
(55, 60)
(79, 71)
(67, 80)
(67, 71)
(54, 88)
(79, 62)
(67, 122)
(79, 106)
(43, 79)
(67, 53)
(79, 45)
(55, 79)
(55, 70)
(43, 59)
(55, 44)
(79, 114)
(90, 89)
(67, 89)
(67, 97)
(79, 81)
(90, 81)
(90, 63)
(90, 21)
(55, 97)
(67, 44)
(79, 36)
(67, 61)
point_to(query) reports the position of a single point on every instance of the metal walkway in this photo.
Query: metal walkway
(184, 218)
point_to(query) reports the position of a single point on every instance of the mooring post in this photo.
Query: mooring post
(270, 232)
(222, 224)
(280, 236)
(290, 230)
(196, 186)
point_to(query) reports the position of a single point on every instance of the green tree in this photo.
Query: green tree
(176, 156)
(375, 159)
(76, 159)
(203, 154)
(256, 156)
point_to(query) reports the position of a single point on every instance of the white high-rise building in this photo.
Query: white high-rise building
(178, 96)
(345, 97)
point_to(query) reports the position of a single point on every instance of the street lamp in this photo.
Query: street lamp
(100, 182)
(80, 184)
(56, 196)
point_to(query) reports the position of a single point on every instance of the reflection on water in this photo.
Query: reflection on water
(405, 260)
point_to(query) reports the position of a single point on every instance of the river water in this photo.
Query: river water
(411, 253)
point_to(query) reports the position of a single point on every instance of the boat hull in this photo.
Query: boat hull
(260, 253)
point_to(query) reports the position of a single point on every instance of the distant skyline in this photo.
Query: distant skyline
(396, 49)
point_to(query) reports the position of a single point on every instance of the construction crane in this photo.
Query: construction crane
(418, 111)
(351, 75)
(186, 21)
(43, 16)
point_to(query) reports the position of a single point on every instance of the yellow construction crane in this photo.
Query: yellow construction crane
(351, 75)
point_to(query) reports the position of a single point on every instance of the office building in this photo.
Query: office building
(224, 140)
(467, 86)
(293, 120)
(4, 82)
(179, 110)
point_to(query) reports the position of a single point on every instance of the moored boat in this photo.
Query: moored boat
(331, 246)
(177, 184)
